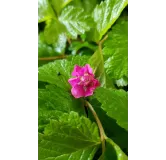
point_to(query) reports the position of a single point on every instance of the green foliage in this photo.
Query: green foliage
(70, 22)
(77, 45)
(53, 31)
(69, 136)
(59, 71)
(45, 10)
(71, 32)
(58, 99)
(105, 15)
(113, 151)
(44, 50)
(115, 103)
(116, 50)
(88, 5)
(76, 21)
(58, 5)
(122, 82)
(97, 64)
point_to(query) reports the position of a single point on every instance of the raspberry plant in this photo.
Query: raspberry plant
(80, 32)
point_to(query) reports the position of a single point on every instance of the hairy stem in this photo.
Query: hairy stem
(102, 133)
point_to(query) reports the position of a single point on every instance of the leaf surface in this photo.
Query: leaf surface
(58, 5)
(113, 151)
(69, 137)
(88, 5)
(55, 98)
(105, 14)
(59, 71)
(115, 103)
(116, 50)
(97, 63)
(76, 21)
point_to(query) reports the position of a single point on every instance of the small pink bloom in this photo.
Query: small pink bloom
(84, 82)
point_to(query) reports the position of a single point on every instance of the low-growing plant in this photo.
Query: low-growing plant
(83, 80)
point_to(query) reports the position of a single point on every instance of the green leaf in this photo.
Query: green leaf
(97, 63)
(122, 82)
(59, 71)
(76, 46)
(44, 50)
(45, 10)
(53, 102)
(55, 73)
(58, 5)
(83, 37)
(116, 50)
(115, 103)
(84, 154)
(110, 82)
(55, 98)
(71, 137)
(113, 151)
(53, 31)
(114, 131)
(54, 36)
(105, 15)
(75, 20)
(88, 5)
(44, 117)
(60, 45)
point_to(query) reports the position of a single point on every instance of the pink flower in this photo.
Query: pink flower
(84, 82)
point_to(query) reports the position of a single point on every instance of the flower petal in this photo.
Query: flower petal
(89, 92)
(84, 83)
(74, 81)
(88, 69)
(96, 83)
(90, 89)
(77, 70)
(78, 91)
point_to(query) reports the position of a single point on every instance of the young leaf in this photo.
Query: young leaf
(105, 15)
(75, 20)
(59, 71)
(71, 137)
(113, 151)
(97, 63)
(115, 103)
(116, 49)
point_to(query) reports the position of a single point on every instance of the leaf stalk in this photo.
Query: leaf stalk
(101, 130)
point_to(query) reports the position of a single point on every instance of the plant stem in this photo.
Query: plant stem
(101, 42)
(68, 40)
(102, 133)
(52, 58)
